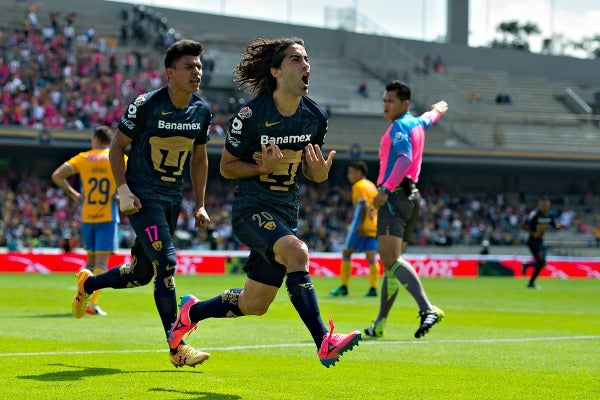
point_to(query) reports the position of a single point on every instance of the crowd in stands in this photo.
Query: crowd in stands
(53, 77)
(503, 98)
(34, 213)
(428, 65)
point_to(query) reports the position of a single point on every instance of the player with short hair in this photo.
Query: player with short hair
(400, 159)
(269, 139)
(536, 223)
(166, 129)
(99, 208)
(361, 236)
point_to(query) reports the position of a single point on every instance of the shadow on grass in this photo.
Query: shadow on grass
(201, 395)
(63, 315)
(77, 373)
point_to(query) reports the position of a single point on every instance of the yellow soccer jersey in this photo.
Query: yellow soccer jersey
(98, 186)
(365, 190)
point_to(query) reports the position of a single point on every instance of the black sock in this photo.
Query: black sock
(224, 305)
(535, 274)
(304, 298)
(166, 305)
(121, 277)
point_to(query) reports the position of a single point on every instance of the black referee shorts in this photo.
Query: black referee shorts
(398, 216)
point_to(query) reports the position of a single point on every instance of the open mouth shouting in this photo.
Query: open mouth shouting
(305, 77)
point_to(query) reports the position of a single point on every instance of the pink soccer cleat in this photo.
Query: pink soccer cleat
(334, 346)
(182, 324)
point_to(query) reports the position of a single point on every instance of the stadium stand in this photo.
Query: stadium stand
(533, 138)
(34, 214)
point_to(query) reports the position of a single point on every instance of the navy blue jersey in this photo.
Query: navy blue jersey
(538, 223)
(162, 138)
(258, 122)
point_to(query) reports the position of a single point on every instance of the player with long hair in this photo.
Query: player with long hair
(273, 136)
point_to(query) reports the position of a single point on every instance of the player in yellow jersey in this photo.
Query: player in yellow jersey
(361, 236)
(99, 207)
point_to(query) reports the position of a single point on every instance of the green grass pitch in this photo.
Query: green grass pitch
(499, 341)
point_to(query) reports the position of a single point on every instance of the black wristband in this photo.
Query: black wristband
(384, 190)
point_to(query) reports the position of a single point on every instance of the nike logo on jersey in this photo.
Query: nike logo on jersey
(270, 124)
(166, 112)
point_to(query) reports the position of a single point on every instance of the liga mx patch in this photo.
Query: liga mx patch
(157, 245)
(141, 99)
(245, 112)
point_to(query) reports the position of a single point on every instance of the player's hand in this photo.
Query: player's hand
(128, 202)
(379, 199)
(440, 106)
(271, 155)
(202, 218)
(415, 195)
(76, 197)
(317, 167)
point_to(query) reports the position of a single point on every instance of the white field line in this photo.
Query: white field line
(285, 345)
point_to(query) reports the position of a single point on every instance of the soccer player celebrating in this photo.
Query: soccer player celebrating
(164, 128)
(269, 139)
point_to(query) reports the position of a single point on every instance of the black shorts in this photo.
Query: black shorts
(154, 225)
(538, 250)
(259, 229)
(398, 216)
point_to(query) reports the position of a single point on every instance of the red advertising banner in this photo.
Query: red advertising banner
(45, 263)
(321, 264)
(426, 266)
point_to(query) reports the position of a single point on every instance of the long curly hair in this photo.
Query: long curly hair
(253, 74)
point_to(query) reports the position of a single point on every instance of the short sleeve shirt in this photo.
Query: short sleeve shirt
(364, 191)
(162, 139)
(259, 122)
(539, 223)
(97, 185)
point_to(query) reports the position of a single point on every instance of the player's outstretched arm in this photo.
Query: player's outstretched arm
(440, 106)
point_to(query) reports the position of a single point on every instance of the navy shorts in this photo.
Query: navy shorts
(259, 230)
(154, 225)
(538, 250)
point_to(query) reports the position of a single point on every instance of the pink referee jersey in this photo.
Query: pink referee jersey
(401, 148)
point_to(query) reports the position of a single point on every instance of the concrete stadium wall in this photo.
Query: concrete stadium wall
(353, 45)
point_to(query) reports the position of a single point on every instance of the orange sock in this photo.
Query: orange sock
(345, 272)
